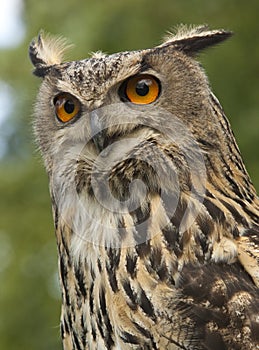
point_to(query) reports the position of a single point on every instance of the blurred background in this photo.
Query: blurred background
(29, 291)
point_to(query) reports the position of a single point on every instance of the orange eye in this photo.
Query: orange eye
(66, 107)
(142, 89)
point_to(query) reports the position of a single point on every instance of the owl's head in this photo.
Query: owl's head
(144, 115)
(164, 77)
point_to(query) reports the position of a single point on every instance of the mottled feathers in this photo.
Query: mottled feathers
(155, 215)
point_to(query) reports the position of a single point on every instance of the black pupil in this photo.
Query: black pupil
(69, 106)
(142, 88)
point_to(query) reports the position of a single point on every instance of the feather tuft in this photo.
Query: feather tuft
(193, 39)
(47, 50)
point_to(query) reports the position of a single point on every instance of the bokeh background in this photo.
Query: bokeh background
(29, 291)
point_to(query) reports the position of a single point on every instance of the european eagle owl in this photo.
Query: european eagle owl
(155, 215)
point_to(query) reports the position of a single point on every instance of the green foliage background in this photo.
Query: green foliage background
(29, 293)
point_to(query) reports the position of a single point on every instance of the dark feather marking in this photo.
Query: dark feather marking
(102, 301)
(113, 281)
(140, 217)
(65, 246)
(131, 263)
(109, 331)
(112, 264)
(239, 218)
(109, 340)
(84, 328)
(143, 249)
(99, 265)
(146, 305)
(91, 298)
(201, 241)
(252, 215)
(132, 295)
(253, 232)
(93, 331)
(80, 280)
(63, 275)
(206, 226)
(163, 275)
(206, 144)
(144, 65)
(41, 72)
(70, 321)
(142, 330)
(66, 327)
(99, 322)
(233, 184)
(141, 221)
(114, 257)
(209, 194)
(76, 341)
(156, 264)
(56, 214)
(82, 179)
(35, 58)
(175, 208)
(145, 332)
(140, 214)
(62, 331)
(215, 212)
(155, 258)
(129, 338)
(171, 235)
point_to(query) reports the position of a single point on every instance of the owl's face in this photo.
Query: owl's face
(123, 127)
(74, 96)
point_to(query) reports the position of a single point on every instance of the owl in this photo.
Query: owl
(155, 215)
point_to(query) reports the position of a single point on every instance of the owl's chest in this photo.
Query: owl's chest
(102, 306)
(111, 295)
(117, 273)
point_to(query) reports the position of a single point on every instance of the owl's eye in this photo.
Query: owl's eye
(142, 89)
(66, 107)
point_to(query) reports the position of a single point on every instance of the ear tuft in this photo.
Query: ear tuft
(45, 51)
(192, 40)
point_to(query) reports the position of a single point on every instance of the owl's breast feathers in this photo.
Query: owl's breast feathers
(181, 277)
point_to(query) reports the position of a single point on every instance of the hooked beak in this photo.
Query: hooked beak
(98, 133)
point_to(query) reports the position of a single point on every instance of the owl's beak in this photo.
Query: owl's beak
(98, 133)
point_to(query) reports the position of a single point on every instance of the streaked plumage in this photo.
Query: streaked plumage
(156, 217)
